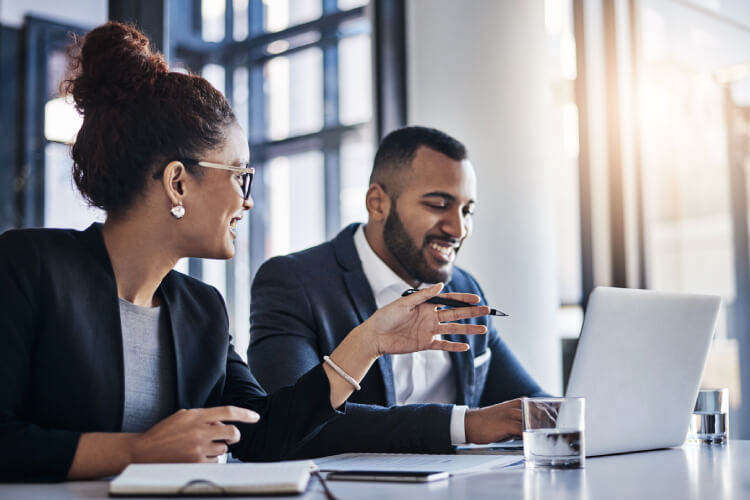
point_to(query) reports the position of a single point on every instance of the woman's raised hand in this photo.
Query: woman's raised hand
(410, 323)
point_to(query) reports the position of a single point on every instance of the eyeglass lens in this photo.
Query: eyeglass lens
(247, 182)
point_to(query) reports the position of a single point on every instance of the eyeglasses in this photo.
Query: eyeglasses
(247, 173)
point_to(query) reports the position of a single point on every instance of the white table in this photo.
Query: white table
(682, 473)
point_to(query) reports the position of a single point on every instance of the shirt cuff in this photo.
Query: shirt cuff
(458, 431)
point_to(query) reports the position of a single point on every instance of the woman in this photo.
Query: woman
(103, 346)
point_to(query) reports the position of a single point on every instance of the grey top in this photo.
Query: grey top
(150, 386)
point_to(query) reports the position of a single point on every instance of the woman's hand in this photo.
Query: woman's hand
(198, 435)
(187, 436)
(410, 324)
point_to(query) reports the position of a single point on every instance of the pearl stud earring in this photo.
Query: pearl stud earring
(178, 211)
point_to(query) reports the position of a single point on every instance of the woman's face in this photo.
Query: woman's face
(214, 204)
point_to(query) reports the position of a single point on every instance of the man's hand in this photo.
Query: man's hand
(493, 423)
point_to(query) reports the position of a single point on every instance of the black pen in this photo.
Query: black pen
(452, 303)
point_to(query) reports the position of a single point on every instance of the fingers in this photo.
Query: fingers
(423, 295)
(227, 414)
(447, 345)
(227, 433)
(455, 314)
(469, 298)
(214, 450)
(460, 328)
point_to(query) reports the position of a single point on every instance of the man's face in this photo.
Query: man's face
(431, 217)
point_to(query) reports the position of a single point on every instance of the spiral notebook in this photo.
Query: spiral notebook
(213, 479)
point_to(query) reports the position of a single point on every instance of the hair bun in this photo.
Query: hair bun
(112, 65)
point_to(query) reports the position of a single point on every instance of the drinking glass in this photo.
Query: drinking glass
(709, 423)
(553, 433)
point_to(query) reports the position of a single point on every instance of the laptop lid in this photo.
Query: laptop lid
(639, 363)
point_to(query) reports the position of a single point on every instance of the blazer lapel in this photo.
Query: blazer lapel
(191, 350)
(362, 299)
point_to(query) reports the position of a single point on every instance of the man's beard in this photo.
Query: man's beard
(410, 257)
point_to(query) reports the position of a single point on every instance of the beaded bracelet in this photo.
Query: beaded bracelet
(327, 360)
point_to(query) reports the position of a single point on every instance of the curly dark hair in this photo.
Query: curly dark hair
(137, 115)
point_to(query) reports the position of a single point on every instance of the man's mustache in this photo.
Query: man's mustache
(455, 243)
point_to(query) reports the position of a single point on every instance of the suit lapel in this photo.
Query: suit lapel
(180, 341)
(362, 299)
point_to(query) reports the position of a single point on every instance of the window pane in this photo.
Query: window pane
(213, 15)
(356, 164)
(294, 94)
(296, 200)
(216, 75)
(214, 273)
(355, 80)
(281, 14)
(63, 204)
(61, 120)
(240, 18)
(240, 322)
(240, 97)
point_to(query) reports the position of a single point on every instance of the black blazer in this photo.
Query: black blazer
(61, 360)
(305, 303)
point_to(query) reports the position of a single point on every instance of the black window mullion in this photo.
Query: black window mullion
(389, 62)
(584, 163)
(229, 21)
(230, 264)
(614, 148)
(255, 21)
(195, 267)
(330, 6)
(332, 162)
(11, 41)
(256, 134)
(33, 90)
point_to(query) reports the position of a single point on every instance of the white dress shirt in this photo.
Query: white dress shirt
(419, 377)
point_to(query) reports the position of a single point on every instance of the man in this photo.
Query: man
(420, 205)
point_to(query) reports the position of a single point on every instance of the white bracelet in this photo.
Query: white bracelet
(341, 372)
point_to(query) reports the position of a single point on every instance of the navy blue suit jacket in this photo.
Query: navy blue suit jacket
(302, 307)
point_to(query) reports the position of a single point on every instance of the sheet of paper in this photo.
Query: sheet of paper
(453, 464)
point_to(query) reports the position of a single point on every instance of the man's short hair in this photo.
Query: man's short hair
(398, 149)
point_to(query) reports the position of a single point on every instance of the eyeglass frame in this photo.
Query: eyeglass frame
(248, 171)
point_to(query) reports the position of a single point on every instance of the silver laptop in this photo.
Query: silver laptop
(639, 364)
